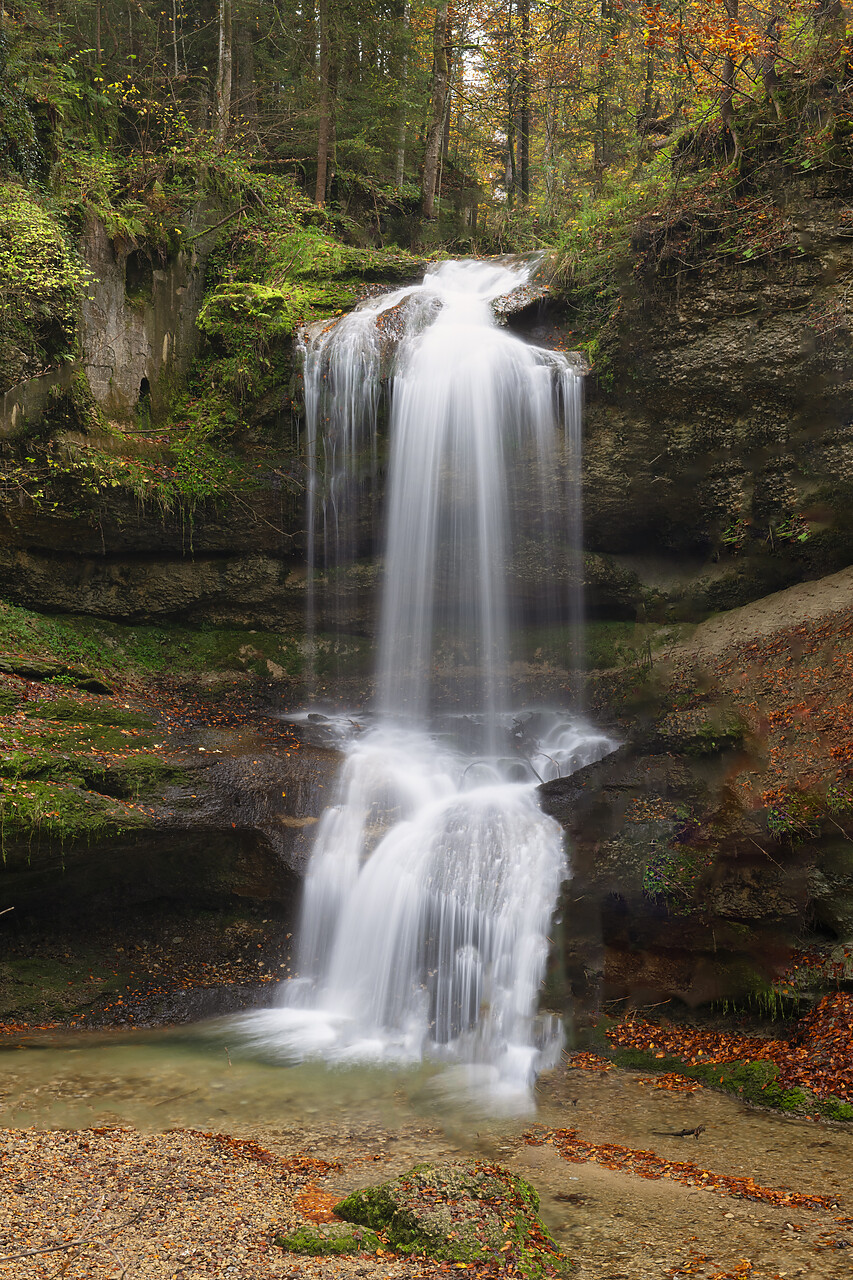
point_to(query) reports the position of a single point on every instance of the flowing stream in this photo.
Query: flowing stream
(433, 880)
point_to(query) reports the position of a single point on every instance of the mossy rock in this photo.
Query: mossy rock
(10, 701)
(327, 1239)
(51, 669)
(471, 1212)
(60, 812)
(85, 713)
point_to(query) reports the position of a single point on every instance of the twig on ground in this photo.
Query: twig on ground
(57, 1248)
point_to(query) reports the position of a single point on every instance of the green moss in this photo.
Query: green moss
(49, 749)
(87, 713)
(278, 272)
(248, 318)
(61, 812)
(10, 701)
(373, 1207)
(113, 650)
(47, 987)
(53, 759)
(755, 1081)
(311, 253)
(326, 1240)
(465, 1213)
(137, 777)
(41, 282)
(837, 1110)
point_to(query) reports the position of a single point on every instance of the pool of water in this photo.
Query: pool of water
(202, 1078)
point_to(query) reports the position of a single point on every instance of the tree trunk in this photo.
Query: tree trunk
(648, 85)
(511, 109)
(176, 68)
(324, 133)
(511, 165)
(332, 158)
(727, 112)
(604, 88)
(247, 96)
(524, 104)
(400, 165)
(765, 63)
(223, 72)
(445, 133)
(440, 79)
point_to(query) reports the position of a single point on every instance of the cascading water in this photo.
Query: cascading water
(433, 879)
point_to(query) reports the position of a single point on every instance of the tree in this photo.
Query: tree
(224, 65)
(524, 103)
(435, 132)
(326, 127)
(400, 163)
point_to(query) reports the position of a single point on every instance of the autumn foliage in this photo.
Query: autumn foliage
(647, 1164)
(817, 1057)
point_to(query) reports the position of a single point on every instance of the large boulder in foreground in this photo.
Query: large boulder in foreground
(460, 1212)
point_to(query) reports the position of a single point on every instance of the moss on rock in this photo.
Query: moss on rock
(62, 812)
(68, 649)
(87, 713)
(329, 1239)
(471, 1212)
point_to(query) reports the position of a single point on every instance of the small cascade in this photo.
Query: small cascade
(434, 876)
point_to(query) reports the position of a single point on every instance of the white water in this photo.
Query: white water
(434, 876)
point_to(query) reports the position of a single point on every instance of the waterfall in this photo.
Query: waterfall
(434, 876)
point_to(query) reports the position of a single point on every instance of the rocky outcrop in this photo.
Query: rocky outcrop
(659, 908)
(461, 1212)
(138, 324)
(104, 808)
(716, 842)
(718, 439)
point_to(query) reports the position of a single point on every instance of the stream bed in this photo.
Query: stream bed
(376, 1123)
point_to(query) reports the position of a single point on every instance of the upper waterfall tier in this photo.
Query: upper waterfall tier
(484, 440)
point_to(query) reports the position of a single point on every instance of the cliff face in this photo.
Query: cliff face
(719, 446)
(718, 453)
(225, 564)
(714, 847)
(718, 467)
(138, 324)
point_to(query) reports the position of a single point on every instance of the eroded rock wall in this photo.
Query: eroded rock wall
(137, 331)
(719, 439)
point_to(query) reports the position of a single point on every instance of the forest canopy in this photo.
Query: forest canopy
(513, 108)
